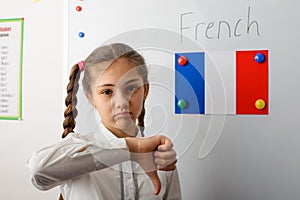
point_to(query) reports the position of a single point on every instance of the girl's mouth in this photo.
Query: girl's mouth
(125, 114)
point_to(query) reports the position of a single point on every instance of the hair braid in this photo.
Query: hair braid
(141, 119)
(60, 197)
(71, 101)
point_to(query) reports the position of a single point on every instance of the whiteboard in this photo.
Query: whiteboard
(221, 155)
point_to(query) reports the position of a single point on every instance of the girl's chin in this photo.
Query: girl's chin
(127, 126)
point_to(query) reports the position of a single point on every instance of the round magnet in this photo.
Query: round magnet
(78, 8)
(182, 103)
(81, 34)
(260, 104)
(259, 58)
(182, 60)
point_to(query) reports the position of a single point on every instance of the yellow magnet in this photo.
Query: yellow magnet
(36, 1)
(260, 104)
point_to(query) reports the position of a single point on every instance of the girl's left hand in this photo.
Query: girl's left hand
(152, 153)
(165, 156)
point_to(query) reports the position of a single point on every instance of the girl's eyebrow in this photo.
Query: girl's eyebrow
(132, 80)
(112, 85)
(106, 85)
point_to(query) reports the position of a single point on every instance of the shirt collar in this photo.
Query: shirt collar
(110, 137)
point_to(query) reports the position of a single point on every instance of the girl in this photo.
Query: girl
(113, 162)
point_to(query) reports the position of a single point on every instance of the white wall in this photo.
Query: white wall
(42, 95)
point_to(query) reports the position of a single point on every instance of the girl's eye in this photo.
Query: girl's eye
(106, 92)
(131, 88)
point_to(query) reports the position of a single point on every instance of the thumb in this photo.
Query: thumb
(155, 181)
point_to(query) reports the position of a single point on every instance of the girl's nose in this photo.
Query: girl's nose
(120, 100)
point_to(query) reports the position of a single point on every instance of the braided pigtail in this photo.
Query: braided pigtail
(141, 119)
(71, 101)
(60, 197)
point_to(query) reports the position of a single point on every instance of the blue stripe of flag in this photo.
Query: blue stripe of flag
(190, 83)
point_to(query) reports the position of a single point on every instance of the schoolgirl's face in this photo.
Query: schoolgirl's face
(118, 96)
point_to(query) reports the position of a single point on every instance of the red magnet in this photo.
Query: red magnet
(182, 60)
(78, 8)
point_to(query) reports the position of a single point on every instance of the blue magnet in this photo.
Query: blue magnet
(81, 34)
(259, 57)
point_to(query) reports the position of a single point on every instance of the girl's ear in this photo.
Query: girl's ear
(146, 90)
(90, 98)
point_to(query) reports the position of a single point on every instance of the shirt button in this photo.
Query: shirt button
(128, 176)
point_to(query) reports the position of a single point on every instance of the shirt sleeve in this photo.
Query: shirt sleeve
(72, 157)
(173, 190)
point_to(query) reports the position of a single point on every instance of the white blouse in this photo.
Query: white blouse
(103, 171)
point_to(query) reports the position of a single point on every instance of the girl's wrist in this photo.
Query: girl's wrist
(133, 147)
(132, 144)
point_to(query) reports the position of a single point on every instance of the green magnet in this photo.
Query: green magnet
(182, 103)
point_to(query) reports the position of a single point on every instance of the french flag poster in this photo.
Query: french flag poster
(227, 82)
